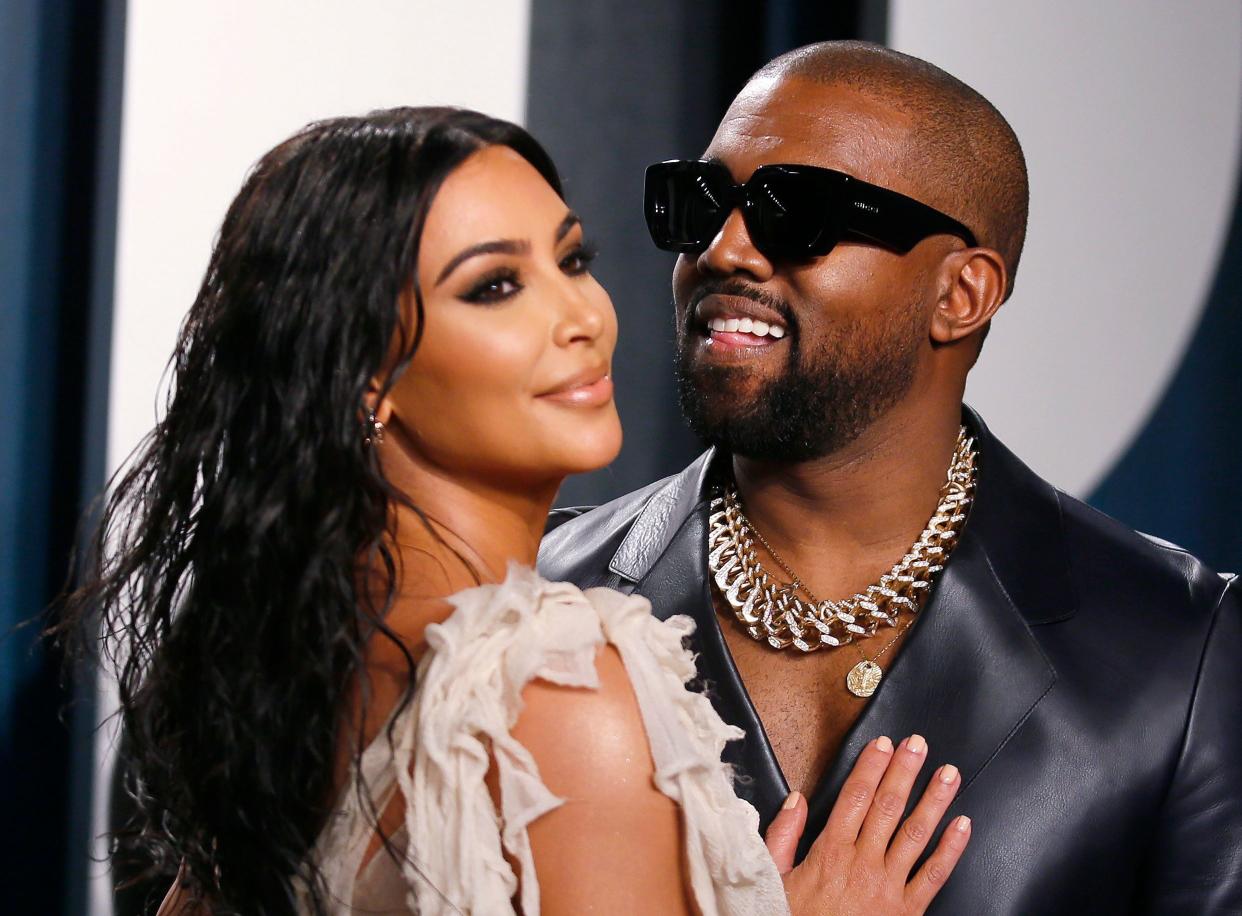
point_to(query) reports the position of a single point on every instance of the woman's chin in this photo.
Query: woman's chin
(536, 463)
(592, 451)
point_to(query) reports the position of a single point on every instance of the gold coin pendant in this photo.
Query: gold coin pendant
(864, 678)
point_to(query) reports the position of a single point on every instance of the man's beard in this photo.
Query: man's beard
(824, 399)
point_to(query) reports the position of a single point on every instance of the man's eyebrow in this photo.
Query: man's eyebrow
(498, 246)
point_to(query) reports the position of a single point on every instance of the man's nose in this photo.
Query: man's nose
(732, 252)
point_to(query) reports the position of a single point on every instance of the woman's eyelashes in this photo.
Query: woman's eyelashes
(494, 286)
(505, 282)
(578, 261)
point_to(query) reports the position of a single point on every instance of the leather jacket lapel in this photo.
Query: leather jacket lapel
(676, 584)
(968, 676)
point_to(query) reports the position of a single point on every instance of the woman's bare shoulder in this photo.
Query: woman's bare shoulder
(561, 726)
(617, 841)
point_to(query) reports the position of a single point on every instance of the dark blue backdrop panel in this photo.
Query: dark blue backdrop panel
(33, 747)
(1181, 479)
(53, 346)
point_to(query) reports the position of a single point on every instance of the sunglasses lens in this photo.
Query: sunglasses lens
(684, 205)
(793, 215)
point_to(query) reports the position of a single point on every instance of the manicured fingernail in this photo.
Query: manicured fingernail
(962, 824)
(916, 744)
(791, 801)
(882, 743)
(948, 773)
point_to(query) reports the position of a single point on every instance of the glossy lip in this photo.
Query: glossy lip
(590, 388)
(734, 344)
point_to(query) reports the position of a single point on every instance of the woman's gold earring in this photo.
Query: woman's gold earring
(375, 431)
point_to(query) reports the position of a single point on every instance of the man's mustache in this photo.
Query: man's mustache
(735, 287)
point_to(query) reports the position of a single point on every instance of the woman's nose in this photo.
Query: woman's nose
(581, 318)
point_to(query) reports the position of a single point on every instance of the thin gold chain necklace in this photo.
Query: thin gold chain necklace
(774, 612)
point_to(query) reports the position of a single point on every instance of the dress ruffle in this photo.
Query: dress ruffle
(469, 695)
(730, 869)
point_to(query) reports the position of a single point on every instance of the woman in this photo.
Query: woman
(396, 356)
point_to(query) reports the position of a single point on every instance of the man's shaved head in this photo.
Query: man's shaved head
(960, 151)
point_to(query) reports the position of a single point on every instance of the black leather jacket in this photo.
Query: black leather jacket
(1083, 677)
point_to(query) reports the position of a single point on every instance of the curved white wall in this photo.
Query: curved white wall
(210, 87)
(1130, 113)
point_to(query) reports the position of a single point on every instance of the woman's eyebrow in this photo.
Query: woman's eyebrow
(571, 219)
(503, 246)
(497, 246)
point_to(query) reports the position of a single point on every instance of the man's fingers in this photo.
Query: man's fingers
(939, 865)
(785, 831)
(854, 801)
(891, 796)
(912, 836)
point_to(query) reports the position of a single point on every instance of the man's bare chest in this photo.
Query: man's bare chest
(801, 699)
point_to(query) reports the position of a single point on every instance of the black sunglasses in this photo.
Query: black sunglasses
(792, 212)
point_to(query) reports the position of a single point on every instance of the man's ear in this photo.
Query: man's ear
(973, 287)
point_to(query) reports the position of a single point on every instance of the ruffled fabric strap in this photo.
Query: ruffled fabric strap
(498, 639)
(731, 871)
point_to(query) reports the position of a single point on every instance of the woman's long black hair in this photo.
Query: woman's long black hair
(225, 572)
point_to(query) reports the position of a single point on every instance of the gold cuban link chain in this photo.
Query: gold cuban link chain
(774, 612)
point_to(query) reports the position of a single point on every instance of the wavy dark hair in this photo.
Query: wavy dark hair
(224, 573)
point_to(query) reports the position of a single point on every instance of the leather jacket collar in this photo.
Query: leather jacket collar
(1010, 498)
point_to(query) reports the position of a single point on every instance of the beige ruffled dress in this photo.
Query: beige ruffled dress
(497, 640)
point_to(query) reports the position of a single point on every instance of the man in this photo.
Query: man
(1081, 677)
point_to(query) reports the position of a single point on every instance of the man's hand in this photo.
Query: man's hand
(858, 865)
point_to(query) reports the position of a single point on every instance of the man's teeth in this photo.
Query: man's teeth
(747, 326)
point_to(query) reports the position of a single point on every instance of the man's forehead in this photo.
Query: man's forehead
(795, 120)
